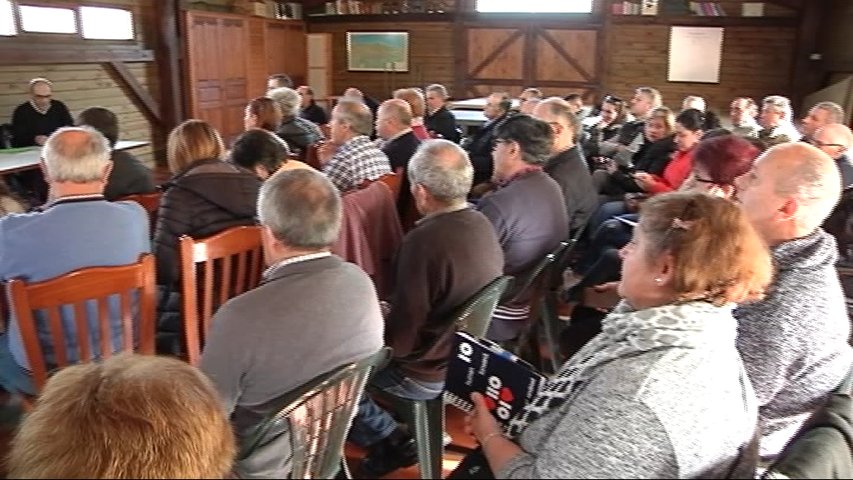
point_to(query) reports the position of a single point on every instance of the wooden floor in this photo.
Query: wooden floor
(10, 415)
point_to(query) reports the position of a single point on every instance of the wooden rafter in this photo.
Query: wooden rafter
(139, 94)
(25, 54)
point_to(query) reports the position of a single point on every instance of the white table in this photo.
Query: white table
(469, 118)
(28, 159)
(475, 104)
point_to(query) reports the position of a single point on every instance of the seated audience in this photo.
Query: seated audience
(527, 210)
(350, 157)
(262, 112)
(205, 196)
(35, 119)
(393, 126)
(528, 105)
(688, 131)
(660, 392)
(131, 416)
(259, 152)
(743, 111)
(279, 80)
(566, 164)
(835, 140)
(357, 94)
(296, 131)
(438, 121)
(575, 101)
(642, 105)
(448, 257)
(794, 342)
(479, 146)
(776, 121)
(128, 175)
(606, 129)
(312, 312)
(78, 228)
(309, 109)
(529, 93)
(711, 120)
(819, 116)
(415, 99)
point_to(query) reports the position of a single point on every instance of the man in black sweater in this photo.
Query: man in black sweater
(567, 165)
(394, 127)
(439, 120)
(34, 120)
(480, 145)
(310, 110)
(449, 256)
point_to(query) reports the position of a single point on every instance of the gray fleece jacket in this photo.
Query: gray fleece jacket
(673, 412)
(794, 342)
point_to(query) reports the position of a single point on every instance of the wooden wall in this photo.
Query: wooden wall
(756, 62)
(431, 57)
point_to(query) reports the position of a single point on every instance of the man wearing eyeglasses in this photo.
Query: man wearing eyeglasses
(835, 140)
(33, 121)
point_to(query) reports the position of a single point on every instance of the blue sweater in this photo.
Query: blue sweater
(71, 233)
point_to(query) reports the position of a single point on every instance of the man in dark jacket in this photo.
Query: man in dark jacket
(439, 120)
(310, 110)
(128, 176)
(448, 257)
(480, 145)
(567, 165)
(393, 126)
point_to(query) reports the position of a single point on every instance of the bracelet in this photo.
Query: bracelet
(489, 437)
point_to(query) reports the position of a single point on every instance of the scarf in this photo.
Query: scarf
(627, 332)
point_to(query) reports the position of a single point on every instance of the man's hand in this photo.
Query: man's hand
(326, 151)
(644, 180)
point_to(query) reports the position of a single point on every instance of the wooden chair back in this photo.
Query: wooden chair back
(311, 157)
(78, 311)
(394, 181)
(150, 202)
(214, 270)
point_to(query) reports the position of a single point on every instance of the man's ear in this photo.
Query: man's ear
(105, 175)
(789, 208)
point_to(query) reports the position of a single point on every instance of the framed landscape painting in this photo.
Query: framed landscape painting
(378, 51)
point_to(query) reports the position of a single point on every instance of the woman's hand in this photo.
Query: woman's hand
(644, 180)
(480, 423)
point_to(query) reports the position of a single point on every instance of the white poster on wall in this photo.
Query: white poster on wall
(695, 54)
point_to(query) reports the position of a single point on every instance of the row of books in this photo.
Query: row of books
(707, 9)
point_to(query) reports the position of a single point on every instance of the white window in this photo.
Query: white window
(47, 19)
(106, 23)
(535, 6)
(7, 20)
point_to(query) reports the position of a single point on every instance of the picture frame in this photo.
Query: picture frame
(378, 51)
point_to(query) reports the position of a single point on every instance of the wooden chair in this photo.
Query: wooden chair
(394, 182)
(88, 293)
(213, 270)
(150, 202)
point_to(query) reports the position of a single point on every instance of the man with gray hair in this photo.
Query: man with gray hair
(819, 116)
(835, 140)
(76, 229)
(794, 341)
(776, 120)
(311, 313)
(449, 256)
(394, 127)
(298, 132)
(350, 157)
(438, 119)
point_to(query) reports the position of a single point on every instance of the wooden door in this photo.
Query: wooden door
(320, 66)
(557, 58)
(216, 70)
(286, 49)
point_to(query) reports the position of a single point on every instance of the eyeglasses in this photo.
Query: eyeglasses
(819, 144)
(613, 99)
(703, 180)
(43, 96)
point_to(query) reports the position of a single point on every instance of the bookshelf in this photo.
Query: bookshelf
(727, 13)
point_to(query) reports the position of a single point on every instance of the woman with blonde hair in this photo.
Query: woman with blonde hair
(131, 416)
(661, 392)
(415, 99)
(205, 196)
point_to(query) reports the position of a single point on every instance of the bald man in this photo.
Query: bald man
(566, 164)
(394, 127)
(835, 140)
(78, 228)
(794, 341)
